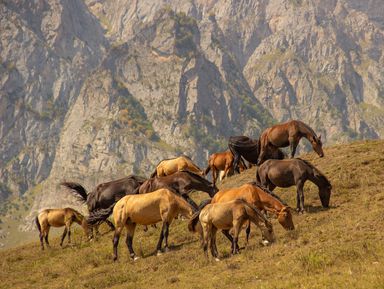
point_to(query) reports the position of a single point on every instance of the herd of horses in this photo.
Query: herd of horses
(135, 200)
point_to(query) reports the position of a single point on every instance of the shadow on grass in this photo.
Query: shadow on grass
(171, 248)
(316, 209)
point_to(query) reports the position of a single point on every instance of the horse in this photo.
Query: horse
(181, 183)
(222, 161)
(171, 166)
(146, 209)
(262, 199)
(58, 218)
(290, 172)
(105, 194)
(226, 216)
(289, 134)
(249, 149)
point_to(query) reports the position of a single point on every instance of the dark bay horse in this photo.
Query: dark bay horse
(288, 134)
(249, 149)
(294, 172)
(181, 183)
(105, 194)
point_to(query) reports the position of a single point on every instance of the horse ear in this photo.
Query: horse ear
(319, 136)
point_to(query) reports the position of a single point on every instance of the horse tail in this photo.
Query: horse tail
(195, 217)
(98, 216)
(37, 222)
(76, 189)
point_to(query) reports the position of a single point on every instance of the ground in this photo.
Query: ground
(339, 247)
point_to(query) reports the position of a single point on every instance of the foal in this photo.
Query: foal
(229, 215)
(58, 218)
(147, 209)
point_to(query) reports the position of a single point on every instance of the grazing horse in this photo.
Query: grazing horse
(290, 172)
(222, 161)
(171, 166)
(147, 209)
(226, 216)
(58, 218)
(261, 199)
(181, 183)
(105, 194)
(288, 134)
(249, 149)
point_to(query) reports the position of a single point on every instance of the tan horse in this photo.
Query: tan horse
(226, 216)
(222, 161)
(58, 218)
(288, 134)
(168, 167)
(147, 209)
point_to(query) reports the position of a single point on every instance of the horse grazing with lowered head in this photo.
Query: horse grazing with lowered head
(147, 209)
(171, 166)
(288, 134)
(226, 216)
(105, 194)
(181, 183)
(294, 172)
(249, 149)
(222, 161)
(58, 218)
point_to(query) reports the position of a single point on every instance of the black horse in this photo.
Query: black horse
(105, 194)
(249, 149)
(181, 183)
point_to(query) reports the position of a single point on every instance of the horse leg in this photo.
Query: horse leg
(46, 236)
(115, 241)
(41, 240)
(214, 175)
(236, 229)
(213, 243)
(293, 145)
(166, 232)
(300, 191)
(129, 240)
(206, 238)
(63, 236)
(110, 224)
(229, 237)
(248, 232)
(236, 162)
(160, 242)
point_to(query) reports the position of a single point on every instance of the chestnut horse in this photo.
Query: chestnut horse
(147, 209)
(58, 218)
(222, 161)
(294, 172)
(226, 216)
(288, 134)
(170, 166)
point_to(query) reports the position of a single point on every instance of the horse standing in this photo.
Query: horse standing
(226, 216)
(222, 161)
(58, 218)
(288, 134)
(171, 166)
(147, 209)
(105, 194)
(290, 172)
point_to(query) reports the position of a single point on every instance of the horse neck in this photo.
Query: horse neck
(271, 202)
(306, 130)
(319, 180)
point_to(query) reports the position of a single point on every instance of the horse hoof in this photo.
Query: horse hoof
(114, 259)
(217, 259)
(136, 258)
(159, 253)
(265, 242)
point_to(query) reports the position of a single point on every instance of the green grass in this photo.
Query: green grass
(337, 248)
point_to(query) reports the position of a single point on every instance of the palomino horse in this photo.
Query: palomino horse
(171, 166)
(222, 161)
(290, 172)
(147, 209)
(261, 199)
(181, 183)
(105, 194)
(288, 134)
(58, 218)
(226, 216)
(249, 149)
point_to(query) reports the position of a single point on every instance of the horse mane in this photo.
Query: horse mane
(320, 173)
(269, 192)
(194, 175)
(308, 127)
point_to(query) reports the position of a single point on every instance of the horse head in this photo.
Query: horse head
(325, 195)
(268, 236)
(317, 145)
(285, 218)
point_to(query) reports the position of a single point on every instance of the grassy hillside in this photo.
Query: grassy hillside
(337, 248)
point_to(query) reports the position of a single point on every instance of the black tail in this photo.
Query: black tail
(77, 189)
(99, 216)
(38, 223)
(195, 217)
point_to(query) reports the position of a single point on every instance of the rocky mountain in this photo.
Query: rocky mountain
(92, 90)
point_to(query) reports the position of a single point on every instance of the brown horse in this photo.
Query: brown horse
(288, 134)
(147, 209)
(222, 161)
(58, 218)
(226, 216)
(290, 172)
(170, 166)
